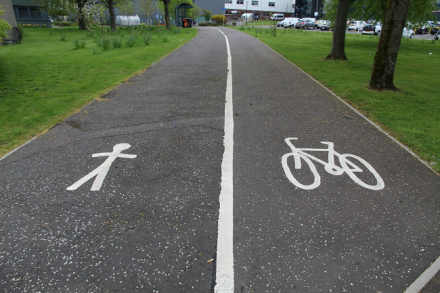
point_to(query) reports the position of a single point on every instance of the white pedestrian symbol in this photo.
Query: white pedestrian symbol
(102, 170)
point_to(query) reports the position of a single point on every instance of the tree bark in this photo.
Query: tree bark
(111, 12)
(81, 21)
(167, 13)
(382, 75)
(338, 46)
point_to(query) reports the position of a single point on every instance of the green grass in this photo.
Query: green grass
(411, 115)
(51, 74)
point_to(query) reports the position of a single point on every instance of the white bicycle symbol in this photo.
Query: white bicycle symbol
(345, 160)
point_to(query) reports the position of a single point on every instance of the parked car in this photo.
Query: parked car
(326, 25)
(306, 24)
(290, 22)
(356, 25)
(372, 29)
(321, 22)
(407, 33)
(422, 28)
(437, 35)
(435, 28)
(280, 23)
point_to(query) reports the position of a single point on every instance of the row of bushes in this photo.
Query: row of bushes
(63, 23)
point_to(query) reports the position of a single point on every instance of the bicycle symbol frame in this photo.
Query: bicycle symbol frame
(347, 166)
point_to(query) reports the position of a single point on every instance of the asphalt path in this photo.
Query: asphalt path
(146, 218)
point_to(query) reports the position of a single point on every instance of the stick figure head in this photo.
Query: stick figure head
(120, 147)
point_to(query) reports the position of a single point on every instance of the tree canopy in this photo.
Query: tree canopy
(419, 10)
(393, 14)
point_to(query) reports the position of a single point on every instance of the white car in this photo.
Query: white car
(372, 29)
(290, 22)
(407, 33)
(356, 25)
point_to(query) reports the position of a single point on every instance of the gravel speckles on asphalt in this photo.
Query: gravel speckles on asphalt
(152, 226)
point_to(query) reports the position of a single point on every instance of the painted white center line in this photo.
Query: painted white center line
(424, 278)
(225, 254)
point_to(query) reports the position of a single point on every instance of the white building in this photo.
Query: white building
(260, 8)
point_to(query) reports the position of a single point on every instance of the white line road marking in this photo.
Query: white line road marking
(225, 255)
(102, 170)
(424, 278)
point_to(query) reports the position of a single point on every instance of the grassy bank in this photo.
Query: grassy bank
(411, 115)
(56, 71)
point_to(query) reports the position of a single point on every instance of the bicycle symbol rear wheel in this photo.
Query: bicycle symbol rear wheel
(343, 159)
(288, 172)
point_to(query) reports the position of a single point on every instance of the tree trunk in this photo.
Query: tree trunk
(81, 21)
(111, 12)
(382, 75)
(338, 46)
(167, 13)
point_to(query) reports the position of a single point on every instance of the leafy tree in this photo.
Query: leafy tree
(110, 4)
(206, 14)
(80, 4)
(166, 9)
(393, 14)
(92, 15)
(340, 21)
(147, 8)
(195, 11)
(4, 26)
(219, 18)
(382, 75)
(127, 8)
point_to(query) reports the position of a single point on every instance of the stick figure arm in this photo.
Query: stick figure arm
(127, 156)
(101, 155)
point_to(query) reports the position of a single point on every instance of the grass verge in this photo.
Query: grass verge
(54, 72)
(411, 115)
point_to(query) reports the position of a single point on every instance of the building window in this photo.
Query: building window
(239, 1)
(271, 4)
(254, 3)
(23, 12)
(35, 12)
(228, 1)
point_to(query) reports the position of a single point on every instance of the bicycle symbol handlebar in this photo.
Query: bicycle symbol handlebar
(345, 160)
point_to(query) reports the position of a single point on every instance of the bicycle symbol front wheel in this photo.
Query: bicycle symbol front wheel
(343, 159)
(288, 172)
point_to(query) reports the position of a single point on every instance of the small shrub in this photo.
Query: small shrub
(76, 44)
(234, 24)
(165, 39)
(117, 42)
(63, 37)
(106, 42)
(20, 30)
(63, 23)
(219, 18)
(147, 39)
(131, 41)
